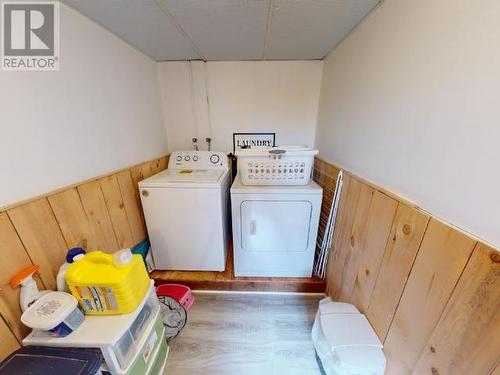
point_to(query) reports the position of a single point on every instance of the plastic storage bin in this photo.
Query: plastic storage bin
(345, 342)
(131, 341)
(131, 344)
(107, 284)
(39, 361)
(54, 312)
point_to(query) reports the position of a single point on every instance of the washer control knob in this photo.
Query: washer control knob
(195, 158)
(187, 158)
(179, 158)
(214, 158)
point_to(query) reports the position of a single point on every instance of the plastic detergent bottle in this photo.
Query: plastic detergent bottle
(106, 284)
(73, 254)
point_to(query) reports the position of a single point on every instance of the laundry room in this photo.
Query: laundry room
(250, 187)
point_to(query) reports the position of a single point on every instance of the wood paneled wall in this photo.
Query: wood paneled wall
(100, 214)
(430, 291)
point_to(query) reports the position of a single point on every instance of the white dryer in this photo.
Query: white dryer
(186, 211)
(275, 229)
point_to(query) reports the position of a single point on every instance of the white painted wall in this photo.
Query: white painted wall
(99, 113)
(243, 96)
(410, 101)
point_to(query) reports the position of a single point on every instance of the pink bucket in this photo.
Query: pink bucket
(180, 293)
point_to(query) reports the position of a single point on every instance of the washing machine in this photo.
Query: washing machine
(275, 228)
(186, 211)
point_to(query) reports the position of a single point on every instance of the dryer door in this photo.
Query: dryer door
(275, 225)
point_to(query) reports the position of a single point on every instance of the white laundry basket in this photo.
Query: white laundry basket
(282, 165)
(345, 342)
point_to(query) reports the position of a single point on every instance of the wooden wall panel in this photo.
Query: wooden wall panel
(150, 168)
(354, 236)
(330, 170)
(117, 212)
(370, 251)
(41, 236)
(137, 175)
(14, 259)
(438, 266)
(358, 198)
(141, 172)
(132, 206)
(163, 163)
(467, 338)
(434, 304)
(72, 219)
(145, 170)
(360, 238)
(406, 235)
(8, 342)
(101, 230)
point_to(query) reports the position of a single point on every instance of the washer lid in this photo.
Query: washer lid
(182, 177)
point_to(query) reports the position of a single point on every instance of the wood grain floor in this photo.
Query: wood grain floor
(246, 334)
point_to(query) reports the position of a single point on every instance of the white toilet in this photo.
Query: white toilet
(345, 342)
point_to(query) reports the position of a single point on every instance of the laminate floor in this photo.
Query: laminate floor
(246, 334)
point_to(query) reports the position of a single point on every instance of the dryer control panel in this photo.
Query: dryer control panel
(198, 160)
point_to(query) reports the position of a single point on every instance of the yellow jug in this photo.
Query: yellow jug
(106, 284)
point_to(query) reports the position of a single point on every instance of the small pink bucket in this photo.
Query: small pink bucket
(180, 293)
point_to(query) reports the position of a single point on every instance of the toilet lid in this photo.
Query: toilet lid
(361, 359)
(348, 330)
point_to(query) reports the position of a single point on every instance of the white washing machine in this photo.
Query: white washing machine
(275, 229)
(186, 211)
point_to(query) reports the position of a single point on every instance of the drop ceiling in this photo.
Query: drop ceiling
(228, 29)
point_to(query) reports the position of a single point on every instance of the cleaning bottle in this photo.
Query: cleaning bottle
(29, 290)
(73, 254)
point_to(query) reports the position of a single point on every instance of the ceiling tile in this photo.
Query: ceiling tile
(223, 29)
(309, 29)
(141, 23)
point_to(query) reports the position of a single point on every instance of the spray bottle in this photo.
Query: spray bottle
(29, 290)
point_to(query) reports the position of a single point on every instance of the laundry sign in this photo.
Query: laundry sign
(249, 140)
